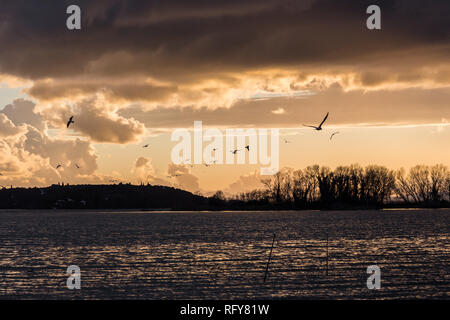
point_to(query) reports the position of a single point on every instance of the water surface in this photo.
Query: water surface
(223, 255)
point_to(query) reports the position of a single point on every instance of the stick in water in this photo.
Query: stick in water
(270, 256)
(327, 254)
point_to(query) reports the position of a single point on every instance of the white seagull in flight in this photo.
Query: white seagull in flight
(333, 134)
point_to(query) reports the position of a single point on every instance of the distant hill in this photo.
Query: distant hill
(151, 197)
(119, 196)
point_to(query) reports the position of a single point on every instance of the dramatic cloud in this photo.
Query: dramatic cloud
(96, 119)
(29, 156)
(215, 53)
(179, 175)
(19, 167)
(140, 65)
(129, 90)
(246, 183)
(22, 112)
(102, 125)
(145, 173)
(141, 162)
(144, 169)
(7, 127)
(183, 177)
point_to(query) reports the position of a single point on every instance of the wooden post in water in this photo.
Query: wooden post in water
(270, 256)
(327, 254)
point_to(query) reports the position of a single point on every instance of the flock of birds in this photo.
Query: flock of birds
(234, 151)
(247, 147)
(59, 166)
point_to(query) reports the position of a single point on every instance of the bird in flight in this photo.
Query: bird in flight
(333, 134)
(318, 128)
(70, 121)
(210, 164)
(247, 147)
(77, 166)
(146, 146)
(58, 166)
(234, 151)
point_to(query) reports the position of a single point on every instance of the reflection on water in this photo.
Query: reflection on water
(223, 255)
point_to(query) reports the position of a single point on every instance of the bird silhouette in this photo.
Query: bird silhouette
(247, 147)
(77, 166)
(318, 128)
(333, 134)
(70, 121)
(58, 166)
(210, 164)
(145, 146)
(234, 151)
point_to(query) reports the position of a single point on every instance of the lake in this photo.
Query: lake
(223, 255)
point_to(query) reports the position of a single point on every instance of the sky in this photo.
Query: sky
(136, 71)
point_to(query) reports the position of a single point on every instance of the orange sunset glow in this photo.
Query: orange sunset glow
(132, 77)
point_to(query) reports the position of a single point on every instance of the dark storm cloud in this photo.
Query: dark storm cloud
(166, 38)
(130, 91)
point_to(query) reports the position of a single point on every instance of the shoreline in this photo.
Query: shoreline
(109, 210)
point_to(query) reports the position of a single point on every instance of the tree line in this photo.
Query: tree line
(354, 186)
(314, 187)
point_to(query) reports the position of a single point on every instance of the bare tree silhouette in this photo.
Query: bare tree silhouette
(424, 184)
